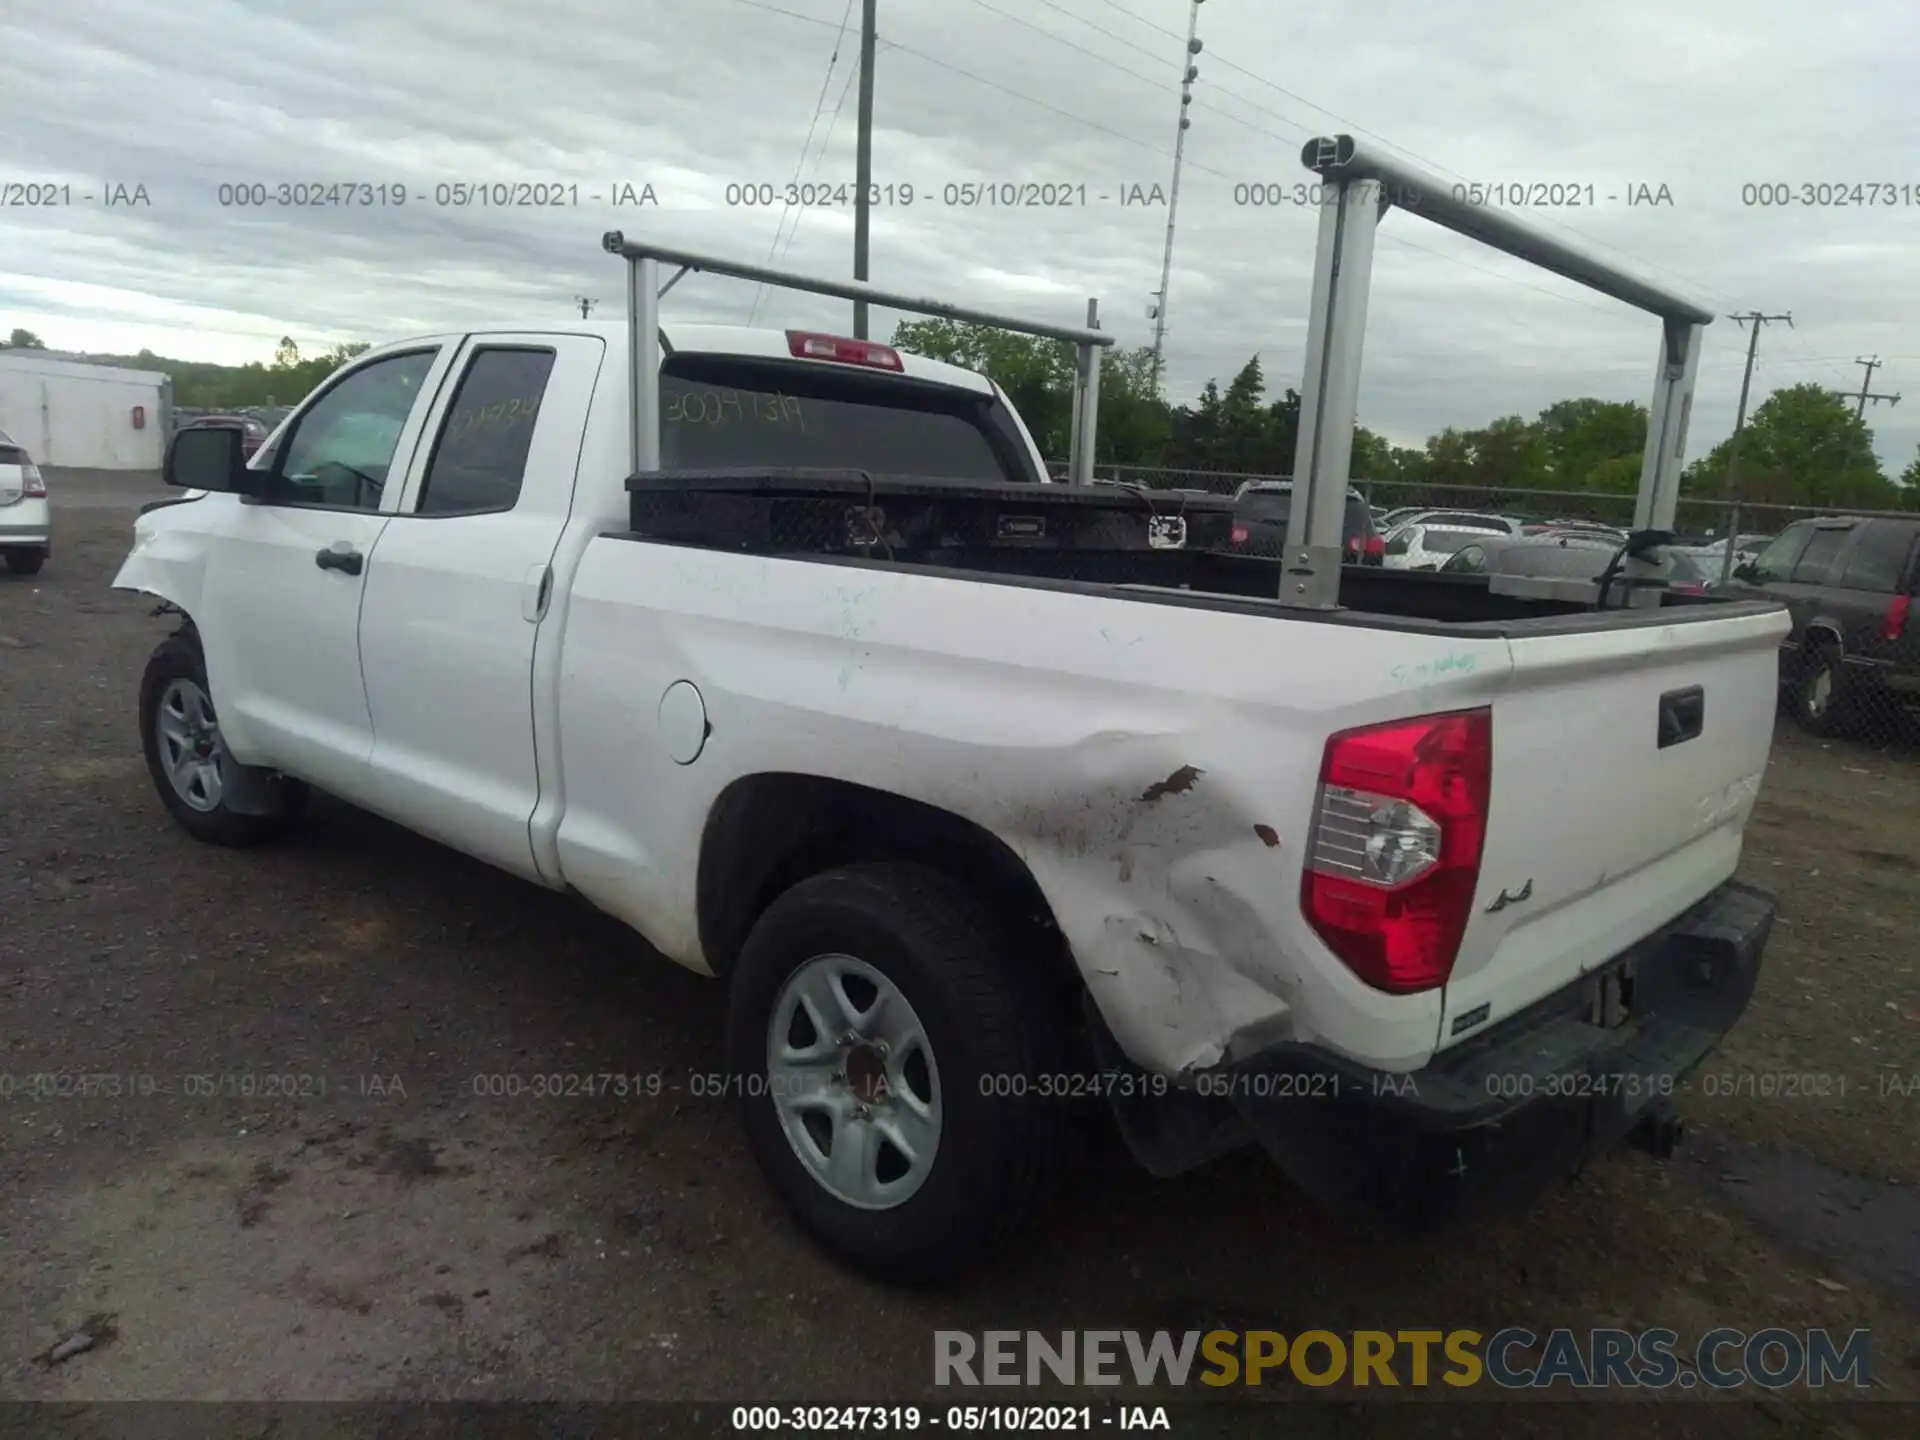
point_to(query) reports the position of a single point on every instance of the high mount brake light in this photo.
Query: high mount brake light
(1399, 822)
(807, 345)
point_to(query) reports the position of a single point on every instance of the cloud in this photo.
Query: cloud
(587, 100)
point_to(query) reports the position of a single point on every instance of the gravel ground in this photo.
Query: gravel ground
(402, 1236)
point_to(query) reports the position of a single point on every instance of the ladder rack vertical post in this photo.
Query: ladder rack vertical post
(643, 362)
(1330, 393)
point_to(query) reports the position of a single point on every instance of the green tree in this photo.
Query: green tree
(1910, 484)
(286, 355)
(1036, 373)
(24, 340)
(1802, 446)
(1586, 439)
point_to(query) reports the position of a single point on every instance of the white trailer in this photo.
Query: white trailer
(77, 415)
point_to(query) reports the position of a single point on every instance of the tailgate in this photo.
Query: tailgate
(1607, 817)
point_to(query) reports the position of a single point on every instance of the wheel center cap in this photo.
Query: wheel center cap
(867, 1074)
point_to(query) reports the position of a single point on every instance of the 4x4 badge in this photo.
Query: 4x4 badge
(1511, 897)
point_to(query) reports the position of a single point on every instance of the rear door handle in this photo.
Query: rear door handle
(1682, 714)
(340, 556)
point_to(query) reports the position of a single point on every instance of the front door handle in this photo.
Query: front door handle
(340, 556)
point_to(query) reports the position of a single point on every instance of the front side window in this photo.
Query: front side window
(480, 459)
(342, 448)
(1774, 566)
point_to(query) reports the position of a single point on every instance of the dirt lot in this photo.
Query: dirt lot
(403, 1236)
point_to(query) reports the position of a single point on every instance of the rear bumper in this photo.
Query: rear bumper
(1497, 1119)
(25, 523)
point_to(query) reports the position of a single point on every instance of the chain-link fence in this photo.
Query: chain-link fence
(1850, 669)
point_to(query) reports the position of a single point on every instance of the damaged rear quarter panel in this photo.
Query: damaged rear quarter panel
(1152, 764)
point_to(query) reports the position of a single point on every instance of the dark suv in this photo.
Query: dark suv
(1261, 509)
(1849, 582)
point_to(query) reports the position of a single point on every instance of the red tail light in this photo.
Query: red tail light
(1376, 545)
(806, 345)
(1399, 823)
(1688, 589)
(1895, 624)
(1240, 534)
(33, 485)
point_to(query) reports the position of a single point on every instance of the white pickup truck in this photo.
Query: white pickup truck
(1432, 905)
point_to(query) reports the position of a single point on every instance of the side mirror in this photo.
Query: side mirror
(208, 457)
(1746, 574)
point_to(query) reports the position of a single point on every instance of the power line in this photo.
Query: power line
(819, 107)
(1171, 34)
(1411, 154)
(826, 144)
(790, 14)
(1046, 105)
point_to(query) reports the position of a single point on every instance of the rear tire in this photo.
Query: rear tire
(925, 982)
(26, 562)
(180, 735)
(1820, 703)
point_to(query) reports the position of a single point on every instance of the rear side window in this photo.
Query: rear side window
(1775, 563)
(1816, 561)
(1400, 543)
(717, 412)
(1878, 561)
(480, 459)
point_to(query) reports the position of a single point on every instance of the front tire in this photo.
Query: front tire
(1819, 704)
(876, 1019)
(188, 761)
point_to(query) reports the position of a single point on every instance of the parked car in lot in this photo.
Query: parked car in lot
(965, 826)
(1262, 509)
(253, 431)
(26, 520)
(1571, 555)
(1426, 544)
(1468, 519)
(1848, 582)
(1574, 527)
(1711, 554)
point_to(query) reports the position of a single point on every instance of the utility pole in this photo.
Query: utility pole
(1739, 428)
(863, 162)
(1189, 73)
(585, 303)
(1873, 363)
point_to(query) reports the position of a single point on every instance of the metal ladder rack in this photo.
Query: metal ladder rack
(1361, 185)
(643, 320)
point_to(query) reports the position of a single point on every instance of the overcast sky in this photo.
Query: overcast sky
(1703, 97)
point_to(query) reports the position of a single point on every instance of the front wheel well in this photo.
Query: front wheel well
(766, 833)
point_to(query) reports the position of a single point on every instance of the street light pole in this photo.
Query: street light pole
(1188, 74)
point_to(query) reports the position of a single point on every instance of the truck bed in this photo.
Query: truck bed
(1080, 537)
